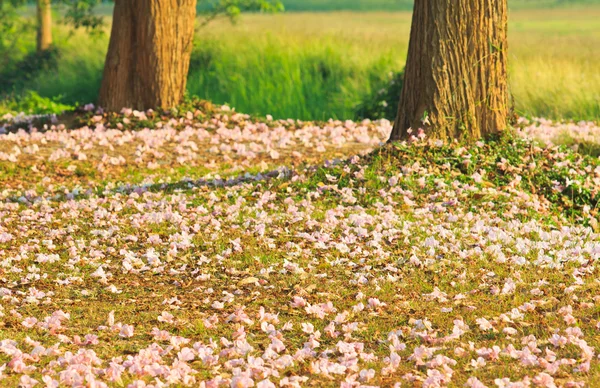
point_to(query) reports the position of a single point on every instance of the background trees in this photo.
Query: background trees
(455, 83)
(44, 27)
(78, 14)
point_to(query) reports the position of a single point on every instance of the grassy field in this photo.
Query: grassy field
(321, 65)
(374, 5)
(207, 248)
(406, 5)
(131, 257)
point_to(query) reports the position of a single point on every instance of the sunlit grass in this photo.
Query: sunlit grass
(321, 65)
(375, 237)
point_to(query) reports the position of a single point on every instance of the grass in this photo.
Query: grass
(357, 51)
(411, 245)
(105, 9)
(407, 5)
(322, 65)
(347, 5)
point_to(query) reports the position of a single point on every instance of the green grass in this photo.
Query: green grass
(288, 74)
(347, 5)
(322, 65)
(406, 5)
(436, 226)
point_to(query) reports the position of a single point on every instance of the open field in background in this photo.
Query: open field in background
(378, 5)
(321, 65)
(317, 66)
(406, 5)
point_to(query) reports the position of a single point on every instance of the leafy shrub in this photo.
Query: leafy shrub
(33, 103)
(383, 104)
(17, 74)
(566, 179)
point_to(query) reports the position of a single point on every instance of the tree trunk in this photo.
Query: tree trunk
(455, 84)
(148, 54)
(44, 27)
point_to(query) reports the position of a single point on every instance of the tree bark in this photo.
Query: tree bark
(455, 84)
(44, 27)
(148, 54)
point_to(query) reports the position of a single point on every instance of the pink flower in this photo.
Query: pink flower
(27, 382)
(217, 305)
(186, 354)
(29, 322)
(160, 335)
(509, 286)
(50, 382)
(91, 339)
(558, 340)
(479, 363)
(111, 319)
(165, 317)
(544, 380)
(374, 303)
(242, 381)
(298, 302)
(484, 324)
(126, 331)
(473, 382)
(308, 328)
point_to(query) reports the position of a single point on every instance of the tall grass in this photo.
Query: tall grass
(406, 5)
(321, 65)
(554, 62)
(76, 79)
(307, 80)
(302, 65)
(347, 5)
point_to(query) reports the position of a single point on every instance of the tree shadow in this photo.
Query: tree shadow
(282, 173)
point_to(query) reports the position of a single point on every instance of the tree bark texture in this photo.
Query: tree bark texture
(148, 55)
(455, 84)
(44, 26)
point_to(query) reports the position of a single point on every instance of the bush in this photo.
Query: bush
(383, 104)
(16, 75)
(564, 178)
(33, 103)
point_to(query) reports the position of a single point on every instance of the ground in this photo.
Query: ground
(208, 248)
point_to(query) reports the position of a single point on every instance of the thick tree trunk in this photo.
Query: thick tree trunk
(148, 55)
(455, 83)
(44, 27)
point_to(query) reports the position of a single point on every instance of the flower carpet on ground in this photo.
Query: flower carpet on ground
(223, 251)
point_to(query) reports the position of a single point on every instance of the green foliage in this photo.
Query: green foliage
(383, 103)
(80, 14)
(33, 103)
(19, 62)
(277, 76)
(16, 75)
(12, 30)
(232, 9)
(348, 5)
(407, 5)
(506, 161)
